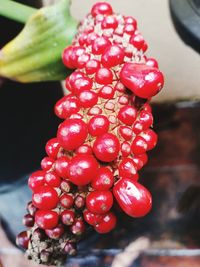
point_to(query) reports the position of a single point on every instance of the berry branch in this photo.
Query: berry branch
(16, 11)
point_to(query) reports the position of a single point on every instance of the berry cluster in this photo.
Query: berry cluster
(102, 143)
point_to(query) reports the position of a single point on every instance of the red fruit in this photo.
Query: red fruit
(66, 200)
(22, 240)
(99, 202)
(82, 169)
(61, 165)
(47, 163)
(140, 160)
(102, 8)
(129, 29)
(46, 219)
(98, 125)
(103, 180)
(31, 208)
(127, 168)
(92, 218)
(106, 147)
(99, 45)
(72, 133)
(104, 76)
(67, 217)
(82, 60)
(91, 38)
(36, 180)
(72, 78)
(66, 57)
(146, 119)
(55, 233)
(137, 40)
(127, 115)
(92, 66)
(152, 62)
(66, 106)
(45, 198)
(66, 186)
(134, 199)
(88, 98)
(82, 84)
(125, 149)
(79, 202)
(130, 20)
(139, 145)
(78, 227)
(52, 179)
(107, 223)
(126, 132)
(74, 55)
(52, 148)
(84, 149)
(112, 56)
(144, 81)
(109, 22)
(151, 138)
(107, 92)
(28, 220)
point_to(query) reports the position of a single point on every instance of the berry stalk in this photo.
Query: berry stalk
(93, 163)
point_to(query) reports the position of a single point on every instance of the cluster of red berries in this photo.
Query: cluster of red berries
(104, 138)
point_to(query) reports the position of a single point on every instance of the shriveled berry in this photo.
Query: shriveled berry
(112, 56)
(36, 179)
(61, 165)
(66, 186)
(107, 224)
(99, 202)
(102, 8)
(106, 147)
(55, 233)
(78, 227)
(88, 98)
(72, 133)
(104, 76)
(67, 217)
(47, 163)
(127, 115)
(52, 179)
(139, 145)
(103, 180)
(79, 202)
(45, 198)
(22, 240)
(66, 200)
(127, 168)
(66, 106)
(70, 248)
(28, 220)
(46, 219)
(98, 125)
(82, 169)
(52, 148)
(151, 138)
(31, 208)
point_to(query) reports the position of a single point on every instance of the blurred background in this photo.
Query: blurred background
(169, 236)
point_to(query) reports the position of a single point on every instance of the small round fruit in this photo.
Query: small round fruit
(61, 165)
(55, 233)
(127, 168)
(98, 125)
(103, 180)
(102, 8)
(139, 145)
(22, 240)
(46, 219)
(107, 223)
(52, 148)
(52, 179)
(99, 202)
(36, 179)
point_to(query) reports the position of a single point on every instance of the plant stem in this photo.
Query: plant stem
(16, 11)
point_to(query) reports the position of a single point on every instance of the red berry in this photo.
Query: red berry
(22, 240)
(82, 60)
(130, 20)
(137, 40)
(46, 219)
(101, 8)
(84, 149)
(45, 198)
(146, 119)
(137, 126)
(152, 62)
(144, 81)
(92, 218)
(106, 147)
(66, 57)
(52, 179)
(107, 223)
(98, 125)
(66, 106)
(126, 132)
(125, 149)
(91, 38)
(55, 233)
(92, 66)
(99, 45)
(139, 145)
(104, 76)
(31, 208)
(129, 29)
(67, 217)
(127, 168)
(94, 111)
(151, 138)
(127, 115)
(107, 92)
(52, 148)
(88, 98)
(47, 163)
(112, 56)
(76, 52)
(140, 160)
(99, 202)
(109, 22)
(73, 77)
(36, 179)
(66, 200)
(82, 169)
(61, 165)
(134, 199)
(78, 227)
(103, 180)
(82, 84)
(72, 133)
(66, 186)
(28, 220)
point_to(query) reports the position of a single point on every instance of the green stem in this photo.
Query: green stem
(16, 11)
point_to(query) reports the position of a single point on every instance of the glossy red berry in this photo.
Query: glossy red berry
(112, 56)
(151, 138)
(103, 180)
(107, 223)
(99, 202)
(92, 218)
(125, 149)
(106, 147)
(84, 149)
(66, 57)
(139, 145)
(126, 132)
(67, 217)
(52, 179)
(82, 84)
(66, 106)
(36, 179)
(88, 98)
(47, 163)
(66, 200)
(31, 208)
(130, 20)
(55, 233)
(104, 76)
(92, 66)
(146, 119)
(99, 45)
(152, 62)
(72, 133)
(46, 219)
(144, 81)
(45, 198)
(127, 115)
(137, 40)
(109, 22)
(22, 240)
(106, 92)
(134, 199)
(98, 125)
(61, 165)
(52, 148)
(66, 186)
(102, 8)
(82, 169)
(82, 60)
(127, 168)
(140, 160)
